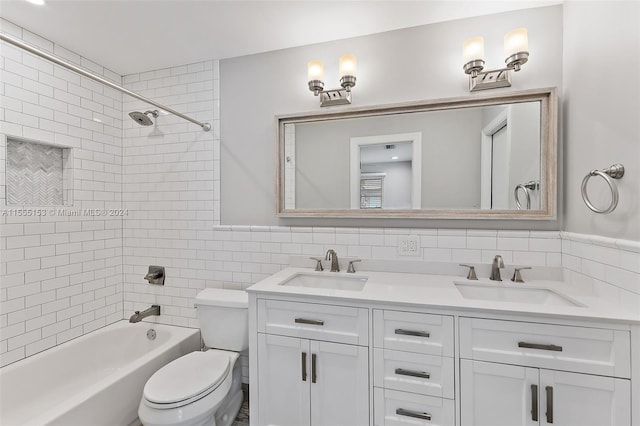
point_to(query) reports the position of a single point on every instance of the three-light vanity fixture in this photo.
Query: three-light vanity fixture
(315, 74)
(516, 50)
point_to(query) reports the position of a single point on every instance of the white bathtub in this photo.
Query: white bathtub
(96, 379)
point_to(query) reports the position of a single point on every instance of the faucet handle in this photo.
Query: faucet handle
(517, 276)
(472, 272)
(350, 268)
(319, 267)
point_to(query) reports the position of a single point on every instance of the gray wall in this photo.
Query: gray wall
(601, 106)
(416, 63)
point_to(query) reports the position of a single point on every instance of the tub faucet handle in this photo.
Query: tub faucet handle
(155, 275)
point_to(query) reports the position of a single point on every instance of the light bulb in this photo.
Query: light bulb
(347, 65)
(516, 41)
(315, 71)
(473, 49)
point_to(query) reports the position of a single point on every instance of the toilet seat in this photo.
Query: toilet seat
(187, 379)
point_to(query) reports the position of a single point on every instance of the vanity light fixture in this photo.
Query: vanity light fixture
(315, 77)
(516, 51)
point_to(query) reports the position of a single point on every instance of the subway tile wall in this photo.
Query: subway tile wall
(60, 268)
(604, 267)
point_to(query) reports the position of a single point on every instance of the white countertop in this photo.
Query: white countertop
(439, 292)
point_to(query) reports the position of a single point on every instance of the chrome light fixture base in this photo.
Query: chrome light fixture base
(473, 67)
(316, 86)
(490, 80)
(517, 60)
(347, 82)
(335, 97)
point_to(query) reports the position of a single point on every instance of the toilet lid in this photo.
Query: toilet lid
(187, 377)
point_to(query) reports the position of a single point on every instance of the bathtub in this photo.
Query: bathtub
(96, 379)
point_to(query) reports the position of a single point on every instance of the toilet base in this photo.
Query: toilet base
(228, 410)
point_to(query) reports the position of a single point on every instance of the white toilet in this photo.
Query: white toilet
(203, 388)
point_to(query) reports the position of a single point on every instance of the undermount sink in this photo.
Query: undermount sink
(323, 280)
(514, 294)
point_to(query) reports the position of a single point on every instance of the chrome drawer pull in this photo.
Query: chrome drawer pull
(539, 346)
(412, 332)
(403, 372)
(414, 414)
(308, 321)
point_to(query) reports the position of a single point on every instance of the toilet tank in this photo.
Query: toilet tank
(223, 317)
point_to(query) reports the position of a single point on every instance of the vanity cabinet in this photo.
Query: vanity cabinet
(321, 362)
(309, 381)
(523, 373)
(413, 368)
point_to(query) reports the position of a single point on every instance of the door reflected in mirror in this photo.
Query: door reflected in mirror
(459, 157)
(386, 171)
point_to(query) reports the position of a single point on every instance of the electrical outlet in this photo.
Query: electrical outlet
(408, 245)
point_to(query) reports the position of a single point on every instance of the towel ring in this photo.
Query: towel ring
(616, 171)
(531, 185)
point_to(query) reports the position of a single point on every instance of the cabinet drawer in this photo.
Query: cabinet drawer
(393, 408)
(413, 372)
(557, 347)
(341, 324)
(413, 332)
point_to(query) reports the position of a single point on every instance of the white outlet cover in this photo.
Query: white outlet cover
(409, 245)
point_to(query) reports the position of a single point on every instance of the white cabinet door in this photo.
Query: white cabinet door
(283, 398)
(498, 395)
(569, 399)
(339, 384)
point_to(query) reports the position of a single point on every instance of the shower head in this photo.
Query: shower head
(143, 118)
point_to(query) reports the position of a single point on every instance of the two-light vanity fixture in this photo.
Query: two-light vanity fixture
(315, 74)
(516, 51)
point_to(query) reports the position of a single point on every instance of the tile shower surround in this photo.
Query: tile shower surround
(62, 278)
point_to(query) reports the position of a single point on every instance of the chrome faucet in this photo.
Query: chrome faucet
(138, 316)
(497, 264)
(333, 256)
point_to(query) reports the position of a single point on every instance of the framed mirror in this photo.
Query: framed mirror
(490, 157)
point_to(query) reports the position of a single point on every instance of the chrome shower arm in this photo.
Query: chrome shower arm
(22, 45)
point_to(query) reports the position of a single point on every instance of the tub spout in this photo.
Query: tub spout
(138, 316)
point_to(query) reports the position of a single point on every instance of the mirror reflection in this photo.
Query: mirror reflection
(484, 157)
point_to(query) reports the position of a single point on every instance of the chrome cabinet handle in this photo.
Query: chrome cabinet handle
(534, 403)
(412, 332)
(414, 414)
(313, 368)
(304, 366)
(549, 390)
(421, 374)
(308, 321)
(540, 346)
